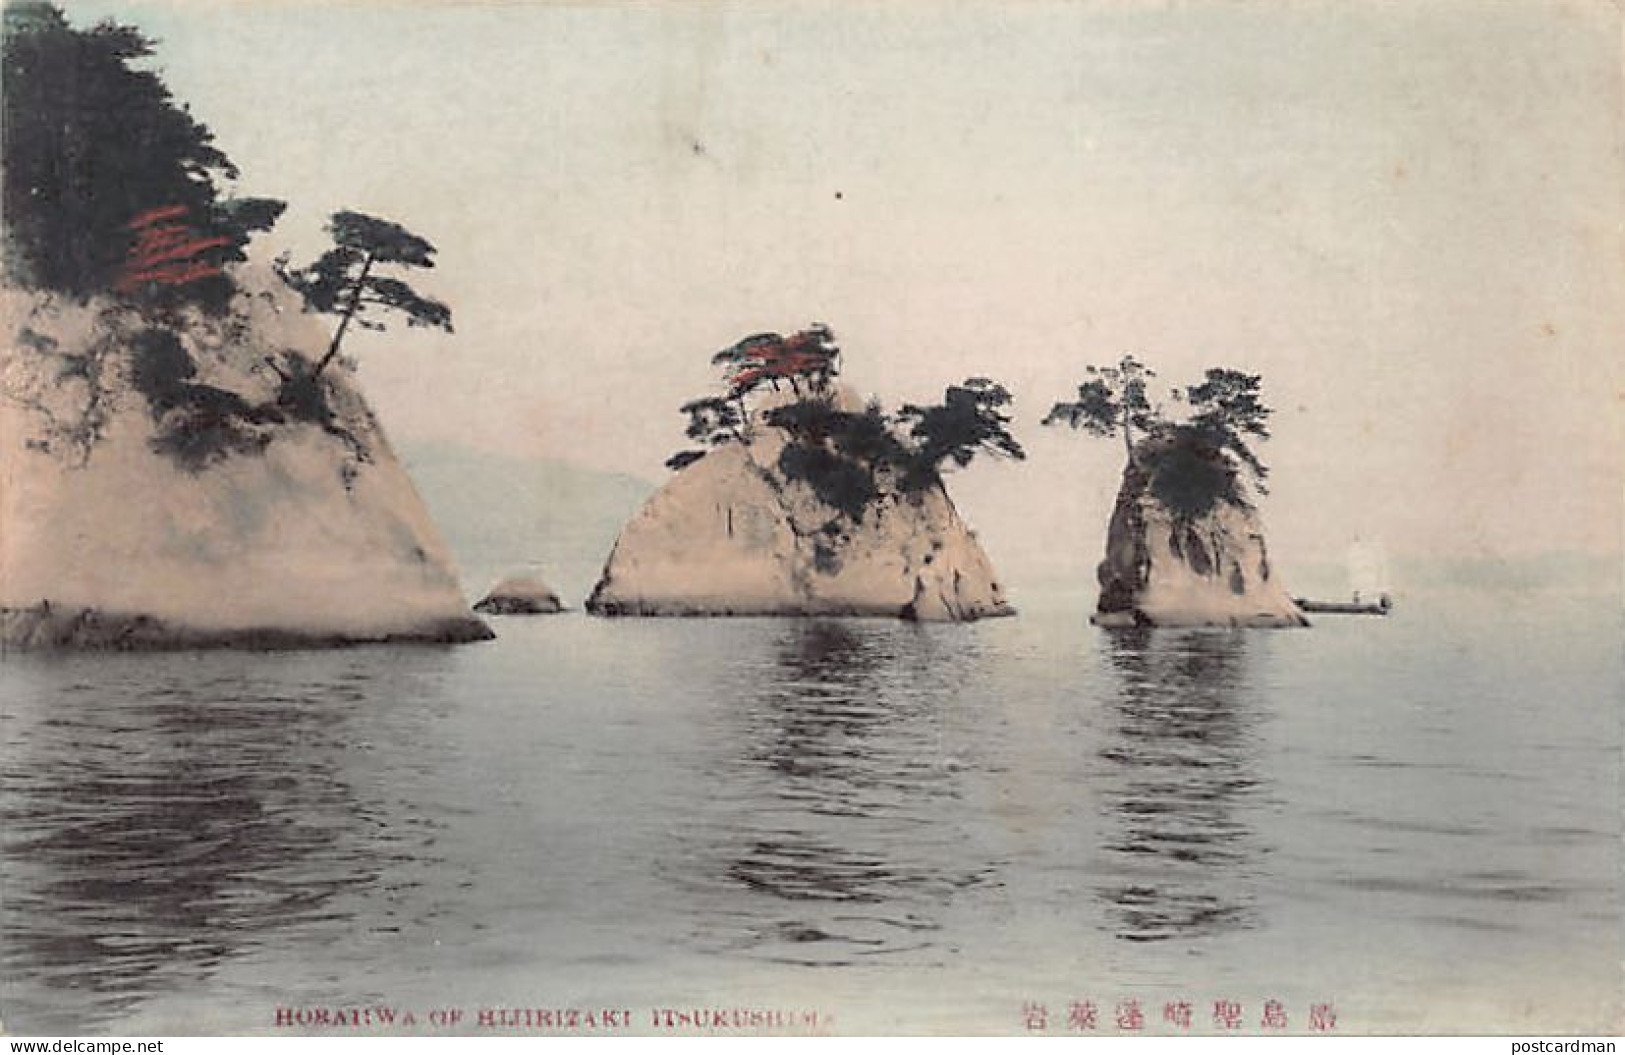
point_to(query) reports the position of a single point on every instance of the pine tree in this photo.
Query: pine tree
(344, 281)
(110, 185)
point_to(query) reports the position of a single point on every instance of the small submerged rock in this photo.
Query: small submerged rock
(520, 595)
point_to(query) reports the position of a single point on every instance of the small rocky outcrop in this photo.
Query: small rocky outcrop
(1186, 568)
(730, 534)
(520, 595)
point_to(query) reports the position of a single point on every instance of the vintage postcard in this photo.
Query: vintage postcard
(1091, 518)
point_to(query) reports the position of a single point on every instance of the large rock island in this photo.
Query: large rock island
(184, 457)
(164, 486)
(1167, 567)
(811, 503)
(1185, 546)
(729, 535)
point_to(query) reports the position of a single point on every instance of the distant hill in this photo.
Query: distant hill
(502, 514)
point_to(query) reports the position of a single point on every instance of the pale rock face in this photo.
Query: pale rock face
(520, 595)
(1209, 570)
(113, 544)
(730, 536)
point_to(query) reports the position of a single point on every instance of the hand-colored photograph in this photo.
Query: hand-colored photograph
(1089, 518)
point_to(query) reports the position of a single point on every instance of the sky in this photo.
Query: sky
(1406, 216)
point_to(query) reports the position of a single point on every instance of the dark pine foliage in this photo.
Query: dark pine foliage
(1113, 400)
(343, 281)
(848, 458)
(91, 144)
(1194, 463)
(839, 454)
(683, 459)
(839, 482)
(1190, 473)
(198, 424)
(969, 421)
(713, 420)
(1227, 410)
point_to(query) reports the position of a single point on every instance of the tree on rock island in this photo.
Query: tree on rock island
(1185, 546)
(343, 282)
(1112, 400)
(111, 187)
(848, 457)
(969, 421)
(114, 200)
(798, 498)
(1193, 462)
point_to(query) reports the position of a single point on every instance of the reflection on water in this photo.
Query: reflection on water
(1181, 757)
(928, 825)
(152, 834)
(840, 837)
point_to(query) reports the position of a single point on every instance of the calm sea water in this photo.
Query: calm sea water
(1415, 821)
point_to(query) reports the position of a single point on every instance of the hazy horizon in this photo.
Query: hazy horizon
(1407, 220)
